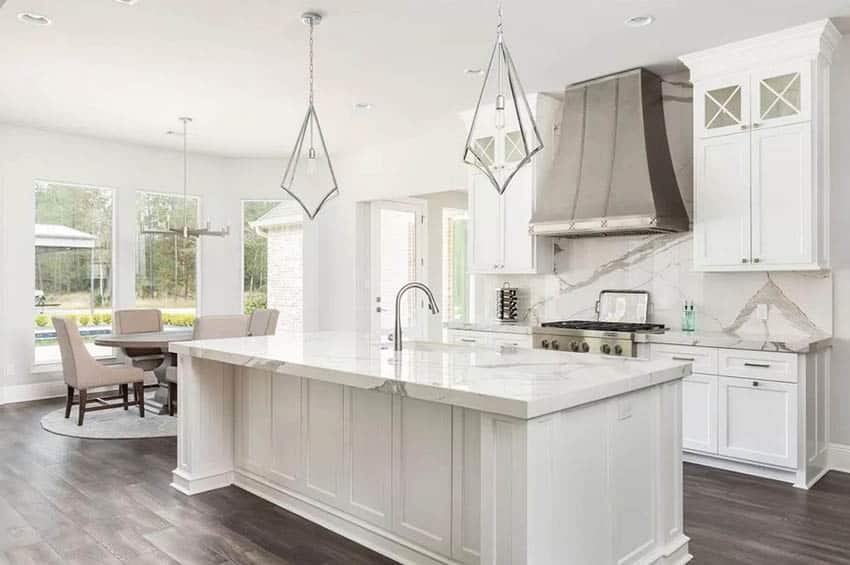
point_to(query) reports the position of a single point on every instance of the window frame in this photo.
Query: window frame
(115, 275)
(199, 249)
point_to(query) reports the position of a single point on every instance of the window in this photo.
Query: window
(166, 265)
(273, 259)
(455, 270)
(73, 264)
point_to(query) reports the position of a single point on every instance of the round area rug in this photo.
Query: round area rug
(110, 424)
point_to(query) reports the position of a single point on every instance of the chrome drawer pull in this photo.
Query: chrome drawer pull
(468, 339)
(683, 359)
(755, 383)
(759, 365)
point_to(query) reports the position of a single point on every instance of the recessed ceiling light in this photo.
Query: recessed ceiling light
(640, 21)
(474, 71)
(363, 106)
(34, 19)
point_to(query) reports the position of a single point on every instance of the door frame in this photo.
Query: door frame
(419, 207)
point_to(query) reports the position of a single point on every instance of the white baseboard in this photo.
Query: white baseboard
(839, 457)
(34, 391)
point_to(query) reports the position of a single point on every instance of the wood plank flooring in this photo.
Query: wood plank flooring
(66, 500)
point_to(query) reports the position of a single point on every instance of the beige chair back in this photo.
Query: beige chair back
(263, 322)
(77, 362)
(137, 321)
(217, 327)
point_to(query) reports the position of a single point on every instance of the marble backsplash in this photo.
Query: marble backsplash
(799, 303)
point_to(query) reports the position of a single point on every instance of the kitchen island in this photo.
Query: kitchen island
(443, 453)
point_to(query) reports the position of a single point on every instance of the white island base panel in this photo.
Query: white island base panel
(429, 483)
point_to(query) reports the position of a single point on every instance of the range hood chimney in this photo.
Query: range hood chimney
(611, 172)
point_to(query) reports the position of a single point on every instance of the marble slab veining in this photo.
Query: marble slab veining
(752, 342)
(522, 383)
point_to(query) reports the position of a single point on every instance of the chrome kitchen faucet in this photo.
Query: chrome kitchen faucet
(432, 306)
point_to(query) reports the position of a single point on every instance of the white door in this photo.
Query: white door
(722, 201)
(781, 94)
(722, 106)
(485, 209)
(782, 191)
(699, 413)
(758, 421)
(517, 203)
(397, 258)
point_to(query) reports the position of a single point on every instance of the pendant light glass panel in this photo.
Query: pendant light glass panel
(503, 112)
(309, 176)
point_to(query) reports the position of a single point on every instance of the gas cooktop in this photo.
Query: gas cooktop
(593, 325)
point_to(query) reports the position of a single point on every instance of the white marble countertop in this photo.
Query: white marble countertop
(752, 342)
(524, 328)
(523, 383)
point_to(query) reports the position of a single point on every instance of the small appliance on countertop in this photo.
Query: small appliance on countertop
(507, 303)
(620, 315)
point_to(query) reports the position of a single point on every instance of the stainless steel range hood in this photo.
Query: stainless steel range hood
(611, 172)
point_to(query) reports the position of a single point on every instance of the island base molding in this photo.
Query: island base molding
(425, 482)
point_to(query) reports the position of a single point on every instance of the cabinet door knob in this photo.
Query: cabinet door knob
(755, 383)
(756, 124)
(744, 260)
(756, 260)
(743, 126)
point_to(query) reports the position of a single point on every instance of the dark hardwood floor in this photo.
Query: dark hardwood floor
(66, 500)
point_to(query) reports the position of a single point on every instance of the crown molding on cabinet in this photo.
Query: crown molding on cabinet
(819, 38)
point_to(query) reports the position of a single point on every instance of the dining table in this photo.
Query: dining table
(158, 402)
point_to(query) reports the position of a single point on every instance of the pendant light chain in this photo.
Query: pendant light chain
(185, 174)
(310, 68)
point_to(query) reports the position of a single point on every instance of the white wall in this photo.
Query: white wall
(29, 154)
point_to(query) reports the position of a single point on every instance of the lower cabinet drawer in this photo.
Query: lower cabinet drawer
(702, 359)
(463, 337)
(758, 421)
(760, 365)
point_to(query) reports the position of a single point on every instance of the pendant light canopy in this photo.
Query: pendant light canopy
(509, 120)
(309, 177)
(185, 230)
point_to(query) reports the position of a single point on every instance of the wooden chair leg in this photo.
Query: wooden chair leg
(69, 402)
(140, 397)
(172, 398)
(83, 397)
(124, 395)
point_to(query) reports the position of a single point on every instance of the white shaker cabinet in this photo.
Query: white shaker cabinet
(761, 151)
(499, 240)
(758, 421)
(699, 413)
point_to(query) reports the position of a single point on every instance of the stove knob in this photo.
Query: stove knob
(606, 349)
(544, 344)
(555, 344)
(618, 350)
(585, 347)
(574, 346)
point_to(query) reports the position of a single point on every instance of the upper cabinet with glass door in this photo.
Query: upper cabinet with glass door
(773, 95)
(761, 151)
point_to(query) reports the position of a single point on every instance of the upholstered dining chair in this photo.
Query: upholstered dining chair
(263, 322)
(139, 321)
(207, 327)
(82, 372)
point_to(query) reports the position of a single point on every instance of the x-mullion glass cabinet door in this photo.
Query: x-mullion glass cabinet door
(722, 105)
(781, 95)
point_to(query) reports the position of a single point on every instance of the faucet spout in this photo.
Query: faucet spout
(432, 306)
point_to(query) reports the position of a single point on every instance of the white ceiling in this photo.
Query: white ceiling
(238, 66)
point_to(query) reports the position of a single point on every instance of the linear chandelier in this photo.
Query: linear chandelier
(309, 177)
(185, 230)
(512, 121)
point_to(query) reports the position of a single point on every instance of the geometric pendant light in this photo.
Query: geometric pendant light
(309, 177)
(510, 117)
